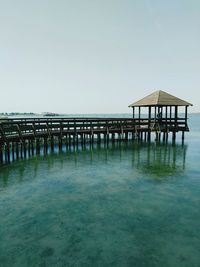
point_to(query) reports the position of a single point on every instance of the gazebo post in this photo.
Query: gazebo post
(133, 112)
(156, 110)
(159, 122)
(139, 112)
(149, 130)
(176, 115)
(175, 120)
(186, 115)
(170, 115)
(165, 133)
(139, 121)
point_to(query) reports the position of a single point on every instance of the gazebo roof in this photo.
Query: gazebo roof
(160, 98)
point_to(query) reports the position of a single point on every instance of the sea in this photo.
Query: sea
(120, 204)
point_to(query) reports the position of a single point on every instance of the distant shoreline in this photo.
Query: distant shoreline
(12, 114)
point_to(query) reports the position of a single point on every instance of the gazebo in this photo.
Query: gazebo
(163, 113)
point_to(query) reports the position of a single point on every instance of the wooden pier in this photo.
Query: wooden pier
(22, 137)
(19, 137)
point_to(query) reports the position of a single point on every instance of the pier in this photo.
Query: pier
(21, 136)
(24, 137)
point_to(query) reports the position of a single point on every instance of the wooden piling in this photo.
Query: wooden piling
(45, 145)
(1, 154)
(32, 146)
(173, 136)
(60, 143)
(21, 150)
(8, 152)
(113, 137)
(24, 146)
(183, 135)
(29, 148)
(52, 143)
(38, 146)
(17, 150)
(13, 151)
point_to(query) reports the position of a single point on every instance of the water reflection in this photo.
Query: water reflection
(150, 159)
(160, 160)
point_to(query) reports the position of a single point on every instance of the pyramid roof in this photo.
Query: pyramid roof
(160, 98)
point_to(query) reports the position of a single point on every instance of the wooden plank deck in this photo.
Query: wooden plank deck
(31, 132)
(18, 128)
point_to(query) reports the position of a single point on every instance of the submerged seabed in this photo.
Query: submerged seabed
(125, 204)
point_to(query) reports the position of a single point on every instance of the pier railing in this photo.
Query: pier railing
(21, 136)
(17, 129)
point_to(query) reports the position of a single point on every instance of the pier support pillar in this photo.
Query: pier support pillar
(173, 136)
(7, 152)
(52, 143)
(17, 150)
(149, 136)
(126, 136)
(32, 147)
(164, 136)
(29, 148)
(113, 137)
(1, 154)
(21, 150)
(98, 138)
(37, 146)
(183, 135)
(45, 145)
(13, 151)
(60, 143)
(24, 146)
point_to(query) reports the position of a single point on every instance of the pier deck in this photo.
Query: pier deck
(17, 136)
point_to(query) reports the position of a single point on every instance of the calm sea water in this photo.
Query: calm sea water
(125, 204)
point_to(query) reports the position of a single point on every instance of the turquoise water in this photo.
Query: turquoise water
(122, 204)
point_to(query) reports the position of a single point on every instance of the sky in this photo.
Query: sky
(97, 56)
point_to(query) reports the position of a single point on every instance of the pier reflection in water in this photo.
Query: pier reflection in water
(156, 160)
(160, 160)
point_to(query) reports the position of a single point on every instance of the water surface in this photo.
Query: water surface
(122, 204)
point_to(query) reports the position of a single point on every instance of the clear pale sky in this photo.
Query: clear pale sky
(97, 56)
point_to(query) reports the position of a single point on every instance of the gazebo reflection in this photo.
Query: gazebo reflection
(160, 160)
